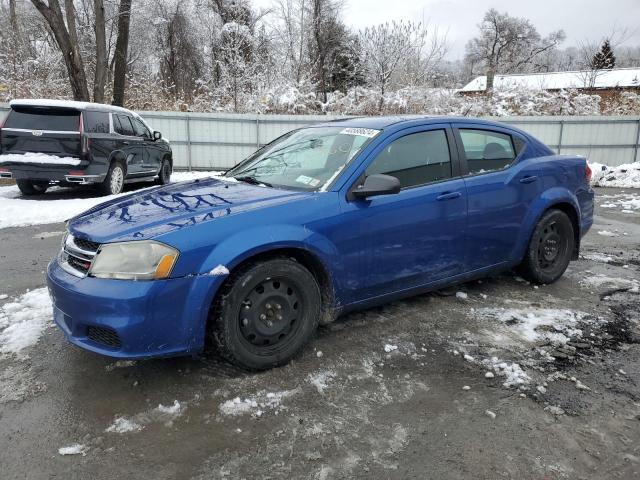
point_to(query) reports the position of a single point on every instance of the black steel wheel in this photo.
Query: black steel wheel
(266, 313)
(550, 248)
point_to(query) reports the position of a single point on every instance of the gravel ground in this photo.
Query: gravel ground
(414, 389)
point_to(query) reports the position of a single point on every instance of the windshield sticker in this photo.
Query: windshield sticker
(362, 132)
(314, 182)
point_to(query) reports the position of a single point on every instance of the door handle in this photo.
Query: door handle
(528, 179)
(449, 196)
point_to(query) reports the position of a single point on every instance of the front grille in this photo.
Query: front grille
(104, 336)
(86, 244)
(77, 255)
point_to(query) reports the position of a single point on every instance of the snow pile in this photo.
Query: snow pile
(534, 325)
(624, 176)
(23, 320)
(627, 202)
(220, 270)
(514, 375)
(18, 211)
(256, 405)
(75, 449)
(160, 414)
(38, 158)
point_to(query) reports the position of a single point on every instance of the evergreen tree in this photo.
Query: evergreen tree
(604, 59)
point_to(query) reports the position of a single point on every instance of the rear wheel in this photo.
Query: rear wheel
(164, 176)
(550, 248)
(114, 181)
(266, 313)
(30, 187)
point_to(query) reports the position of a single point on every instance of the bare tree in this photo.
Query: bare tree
(122, 48)
(67, 38)
(100, 78)
(507, 43)
(385, 47)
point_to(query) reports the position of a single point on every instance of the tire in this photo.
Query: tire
(550, 248)
(113, 183)
(164, 175)
(266, 313)
(30, 187)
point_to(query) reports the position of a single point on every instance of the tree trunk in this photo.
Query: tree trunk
(122, 47)
(70, 51)
(101, 53)
(491, 73)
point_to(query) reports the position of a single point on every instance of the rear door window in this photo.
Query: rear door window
(96, 122)
(123, 125)
(486, 150)
(60, 120)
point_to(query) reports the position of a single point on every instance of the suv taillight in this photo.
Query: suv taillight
(587, 173)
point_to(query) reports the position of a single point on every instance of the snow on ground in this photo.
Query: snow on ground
(321, 379)
(165, 414)
(18, 211)
(533, 325)
(75, 449)
(256, 405)
(23, 320)
(611, 283)
(38, 158)
(627, 202)
(624, 176)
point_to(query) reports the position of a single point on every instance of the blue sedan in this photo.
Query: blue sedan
(324, 220)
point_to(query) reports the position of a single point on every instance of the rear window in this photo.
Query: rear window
(62, 120)
(122, 125)
(96, 122)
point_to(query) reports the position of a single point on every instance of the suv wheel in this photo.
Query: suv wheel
(550, 248)
(114, 181)
(266, 313)
(30, 187)
(164, 176)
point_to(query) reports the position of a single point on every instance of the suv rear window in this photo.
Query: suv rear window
(122, 125)
(96, 122)
(62, 120)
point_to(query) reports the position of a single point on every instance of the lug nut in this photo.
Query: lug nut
(268, 306)
(245, 322)
(263, 316)
(278, 306)
(279, 317)
(269, 323)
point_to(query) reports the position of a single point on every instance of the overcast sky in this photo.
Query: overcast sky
(580, 19)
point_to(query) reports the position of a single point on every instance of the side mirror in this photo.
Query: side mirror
(377, 184)
(157, 135)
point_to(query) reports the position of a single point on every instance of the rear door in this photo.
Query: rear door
(48, 130)
(500, 186)
(130, 145)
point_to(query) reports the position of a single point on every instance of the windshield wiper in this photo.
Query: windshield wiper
(252, 180)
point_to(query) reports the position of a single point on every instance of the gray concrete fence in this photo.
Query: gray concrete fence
(217, 141)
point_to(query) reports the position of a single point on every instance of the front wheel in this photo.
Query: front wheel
(30, 187)
(114, 181)
(266, 313)
(550, 248)
(164, 176)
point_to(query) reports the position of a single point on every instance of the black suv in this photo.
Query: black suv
(76, 143)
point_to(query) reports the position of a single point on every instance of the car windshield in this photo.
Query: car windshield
(305, 159)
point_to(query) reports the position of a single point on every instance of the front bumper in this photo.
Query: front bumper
(132, 319)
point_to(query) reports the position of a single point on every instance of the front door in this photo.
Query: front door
(400, 241)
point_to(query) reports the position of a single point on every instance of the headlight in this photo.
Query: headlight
(144, 260)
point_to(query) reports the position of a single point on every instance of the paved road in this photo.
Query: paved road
(346, 408)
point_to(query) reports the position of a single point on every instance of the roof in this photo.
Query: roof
(374, 122)
(42, 102)
(615, 78)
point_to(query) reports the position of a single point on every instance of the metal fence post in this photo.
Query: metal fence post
(561, 134)
(257, 132)
(635, 148)
(188, 143)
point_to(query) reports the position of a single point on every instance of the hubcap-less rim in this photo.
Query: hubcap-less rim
(270, 314)
(117, 178)
(551, 246)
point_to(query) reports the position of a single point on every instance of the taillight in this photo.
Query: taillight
(4, 170)
(587, 173)
(75, 172)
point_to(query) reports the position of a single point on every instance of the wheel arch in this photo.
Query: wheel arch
(118, 156)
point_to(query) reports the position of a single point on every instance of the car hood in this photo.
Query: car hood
(156, 211)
